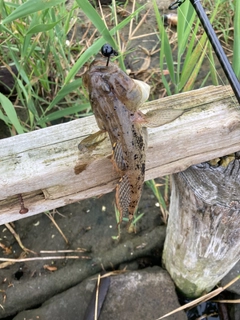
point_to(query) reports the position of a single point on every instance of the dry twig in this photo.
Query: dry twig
(96, 301)
(45, 258)
(16, 236)
(50, 216)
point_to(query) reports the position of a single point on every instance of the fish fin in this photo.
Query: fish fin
(123, 196)
(156, 118)
(139, 117)
(91, 141)
(161, 117)
(118, 157)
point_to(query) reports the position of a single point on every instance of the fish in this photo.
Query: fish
(115, 99)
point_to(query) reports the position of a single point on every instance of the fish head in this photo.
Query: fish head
(132, 93)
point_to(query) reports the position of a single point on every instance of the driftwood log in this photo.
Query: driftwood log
(48, 170)
(203, 233)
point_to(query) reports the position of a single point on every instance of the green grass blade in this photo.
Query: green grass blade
(11, 113)
(30, 7)
(166, 50)
(95, 48)
(166, 85)
(42, 27)
(65, 112)
(22, 73)
(152, 185)
(193, 53)
(7, 31)
(203, 83)
(186, 17)
(4, 118)
(213, 70)
(137, 218)
(185, 25)
(191, 63)
(28, 98)
(66, 89)
(191, 46)
(91, 51)
(191, 80)
(92, 14)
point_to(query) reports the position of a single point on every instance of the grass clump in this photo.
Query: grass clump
(37, 44)
(162, 200)
(193, 47)
(38, 40)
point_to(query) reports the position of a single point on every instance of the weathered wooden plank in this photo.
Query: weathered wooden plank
(49, 170)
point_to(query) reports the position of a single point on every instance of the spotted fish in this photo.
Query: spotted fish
(115, 99)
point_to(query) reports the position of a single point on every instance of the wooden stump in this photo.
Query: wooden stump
(203, 233)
